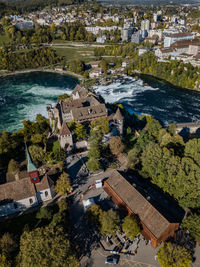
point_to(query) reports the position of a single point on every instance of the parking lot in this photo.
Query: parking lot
(98, 260)
(91, 252)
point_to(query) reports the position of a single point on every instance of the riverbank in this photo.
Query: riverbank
(69, 73)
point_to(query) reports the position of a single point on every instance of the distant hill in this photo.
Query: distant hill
(150, 2)
(6, 6)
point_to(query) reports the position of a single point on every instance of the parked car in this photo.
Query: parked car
(115, 250)
(112, 259)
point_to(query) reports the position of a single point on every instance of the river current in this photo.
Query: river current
(22, 96)
(151, 96)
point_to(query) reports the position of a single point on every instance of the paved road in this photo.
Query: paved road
(86, 236)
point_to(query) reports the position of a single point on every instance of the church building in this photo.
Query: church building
(26, 192)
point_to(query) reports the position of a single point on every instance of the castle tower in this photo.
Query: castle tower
(65, 139)
(31, 168)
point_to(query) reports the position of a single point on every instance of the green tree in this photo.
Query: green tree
(171, 255)
(64, 97)
(116, 145)
(7, 245)
(100, 125)
(4, 262)
(63, 184)
(44, 213)
(94, 214)
(80, 131)
(110, 222)
(45, 247)
(153, 127)
(134, 157)
(192, 224)
(172, 128)
(36, 138)
(104, 65)
(192, 150)
(13, 166)
(93, 164)
(37, 154)
(130, 227)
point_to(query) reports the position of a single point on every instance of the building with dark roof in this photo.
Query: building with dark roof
(156, 226)
(79, 92)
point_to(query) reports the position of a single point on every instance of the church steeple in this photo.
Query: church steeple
(32, 169)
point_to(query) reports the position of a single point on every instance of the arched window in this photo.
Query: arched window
(46, 193)
(30, 200)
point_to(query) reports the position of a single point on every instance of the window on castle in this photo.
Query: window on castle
(30, 200)
(46, 193)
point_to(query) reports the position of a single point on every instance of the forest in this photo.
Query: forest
(21, 6)
(35, 58)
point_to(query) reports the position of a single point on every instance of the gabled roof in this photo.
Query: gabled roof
(148, 214)
(66, 106)
(16, 190)
(118, 115)
(80, 90)
(30, 165)
(44, 183)
(89, 112)
(64, 129)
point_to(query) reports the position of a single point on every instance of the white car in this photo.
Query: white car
(98, 184)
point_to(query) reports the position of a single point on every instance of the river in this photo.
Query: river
(22, 96)
(151, 96)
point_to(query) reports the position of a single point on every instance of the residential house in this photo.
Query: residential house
(96, 73)
(101, 39)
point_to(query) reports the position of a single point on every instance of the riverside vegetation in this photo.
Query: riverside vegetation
(173, 71)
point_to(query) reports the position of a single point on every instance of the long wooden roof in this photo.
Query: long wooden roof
(148, 214)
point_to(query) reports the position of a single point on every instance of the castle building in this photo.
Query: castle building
(25, 192)
(84, 107)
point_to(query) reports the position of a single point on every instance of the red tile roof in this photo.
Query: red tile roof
(65, 130)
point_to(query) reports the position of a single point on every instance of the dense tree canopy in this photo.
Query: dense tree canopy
(171, 255)
(100, 125)
(116, 145)
(46, 247)
(192, 224)
(63, 184)
(130, 227)
(110, 222)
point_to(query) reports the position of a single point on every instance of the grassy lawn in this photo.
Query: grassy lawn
(71, 53)
(4, 39)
